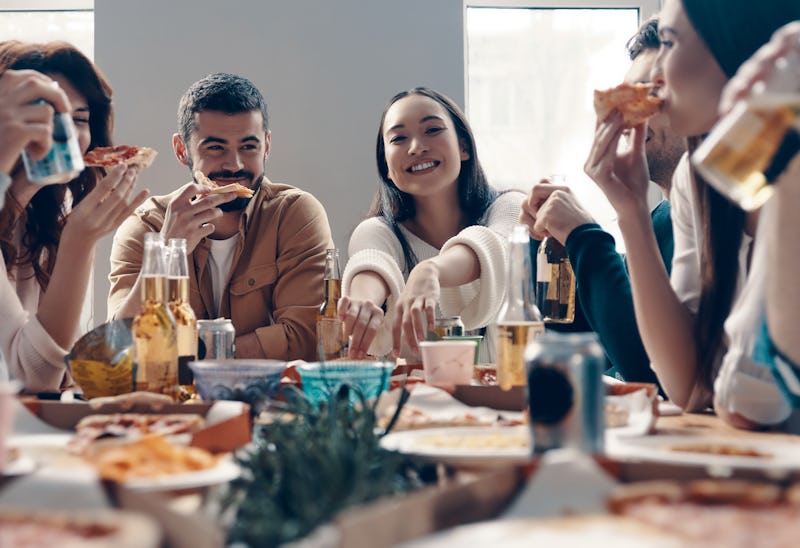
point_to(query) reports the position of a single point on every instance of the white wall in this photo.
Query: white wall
(326, 68)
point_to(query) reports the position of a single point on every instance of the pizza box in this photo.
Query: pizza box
(515, 399)
(228, 425)
(463, 499)
(83, 494)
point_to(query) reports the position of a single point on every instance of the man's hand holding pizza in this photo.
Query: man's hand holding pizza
(191, 213)
(621, 172)
(552, 210)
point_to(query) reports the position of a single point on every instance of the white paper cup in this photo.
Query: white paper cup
(448, 363)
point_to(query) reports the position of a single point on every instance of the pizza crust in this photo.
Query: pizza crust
(132, 156)
(241, 190)
(634, 101)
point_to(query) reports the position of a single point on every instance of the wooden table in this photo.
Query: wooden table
(708, 424)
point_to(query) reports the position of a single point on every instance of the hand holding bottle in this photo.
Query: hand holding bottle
(552, 210)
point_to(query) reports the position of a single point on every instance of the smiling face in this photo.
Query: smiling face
(228, 148)
(80, 111)
(689, 78)
(422, 149)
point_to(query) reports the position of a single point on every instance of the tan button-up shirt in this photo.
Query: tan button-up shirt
(275, 285)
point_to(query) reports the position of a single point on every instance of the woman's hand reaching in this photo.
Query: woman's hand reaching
(415, 309)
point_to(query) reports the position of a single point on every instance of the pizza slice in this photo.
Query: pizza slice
(133, 156)
(634, 101)
(241, 190)
(132, 426)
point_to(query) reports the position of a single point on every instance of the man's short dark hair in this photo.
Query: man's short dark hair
(645, 38)
(221, 92)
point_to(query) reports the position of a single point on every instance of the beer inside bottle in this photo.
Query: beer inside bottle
(555, 282)
(519, 321)
(185, 318)
(154, 332)
(330, 330)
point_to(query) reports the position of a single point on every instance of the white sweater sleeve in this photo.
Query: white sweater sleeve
(31, 355)
(479, 302)
(374, 247)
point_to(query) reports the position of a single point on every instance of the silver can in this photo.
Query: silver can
(216, 339)
(447, 327)
(63, 162)
(565, 392)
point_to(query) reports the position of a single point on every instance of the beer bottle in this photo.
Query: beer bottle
(155, 344)
(751, 146)
(185, 319)
(330, 333)
(555, 282)
(519, 321)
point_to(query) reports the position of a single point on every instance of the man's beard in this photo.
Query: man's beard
(237, 204)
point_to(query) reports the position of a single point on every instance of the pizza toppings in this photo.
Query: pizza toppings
(634, 101)
(132, 156)
(241, 190)
(149, 457)
(131, 427)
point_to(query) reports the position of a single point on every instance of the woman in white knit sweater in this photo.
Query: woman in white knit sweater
(436, 235)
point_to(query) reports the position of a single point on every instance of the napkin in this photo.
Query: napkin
(566, 482)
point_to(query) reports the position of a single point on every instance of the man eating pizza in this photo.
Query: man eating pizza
(258, 260)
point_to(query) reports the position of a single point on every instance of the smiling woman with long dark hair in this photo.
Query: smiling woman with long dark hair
(436, 236)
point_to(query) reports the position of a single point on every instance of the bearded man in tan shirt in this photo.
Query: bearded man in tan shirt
(258, 261)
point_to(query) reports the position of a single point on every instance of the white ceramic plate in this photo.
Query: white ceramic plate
(777, 456)
(50, 451)
(225, 471)
(464, 446)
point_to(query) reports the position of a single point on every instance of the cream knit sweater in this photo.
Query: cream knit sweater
(374, 247)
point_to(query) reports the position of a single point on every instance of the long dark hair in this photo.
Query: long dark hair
(475, 195)
(732, 30)
(45, 215)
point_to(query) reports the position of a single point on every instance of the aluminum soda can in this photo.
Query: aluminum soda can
(64, 160)
(451, 326)
(566, 398)
(216, 339)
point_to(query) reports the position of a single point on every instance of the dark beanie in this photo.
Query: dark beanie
(734, 29)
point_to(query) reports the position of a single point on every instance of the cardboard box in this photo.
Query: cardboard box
(228, 425)
(495, 397)
(391, 521)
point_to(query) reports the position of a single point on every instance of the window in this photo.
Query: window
(47, 20)
(531, 70)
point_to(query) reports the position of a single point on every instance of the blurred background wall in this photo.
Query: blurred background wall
(326, 69)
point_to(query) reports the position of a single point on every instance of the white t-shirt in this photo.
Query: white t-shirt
(219, 264)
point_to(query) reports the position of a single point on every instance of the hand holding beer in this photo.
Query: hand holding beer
(25, 121)
(785, 41)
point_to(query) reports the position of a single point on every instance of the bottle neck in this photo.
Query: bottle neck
(519, 304)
